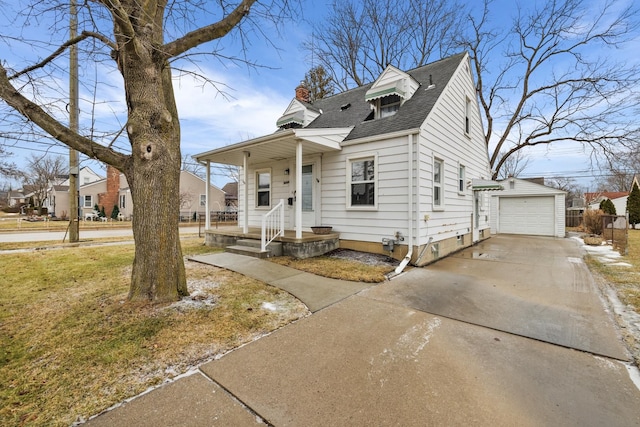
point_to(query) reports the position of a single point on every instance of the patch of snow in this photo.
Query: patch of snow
(603, 253)
(634, 373)
(269, 306)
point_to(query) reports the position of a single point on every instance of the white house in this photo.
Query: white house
(524, 207)
(398, 166)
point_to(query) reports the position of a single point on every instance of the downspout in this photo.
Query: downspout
(407, 257)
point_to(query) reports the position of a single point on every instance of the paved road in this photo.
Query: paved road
(57, 236)
(511, 332)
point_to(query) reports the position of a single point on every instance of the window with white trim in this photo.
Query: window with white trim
(461, 178)
(438, 171)
(203, 200)
(263, 188)
(389, 105)
(123, 199)
(88, 202)
(362, 182)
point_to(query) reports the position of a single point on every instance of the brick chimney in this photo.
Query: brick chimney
(110, 199)
(302, 93)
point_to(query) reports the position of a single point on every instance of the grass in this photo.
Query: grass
(626, 280)
(71, 345)
(337, 268)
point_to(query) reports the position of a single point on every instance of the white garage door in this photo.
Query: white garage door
(527, 215)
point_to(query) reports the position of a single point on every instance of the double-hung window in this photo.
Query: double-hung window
(263, 188)
(203, 200)
(88, 201)
(438, 180)
(461, 177)
(362, 182)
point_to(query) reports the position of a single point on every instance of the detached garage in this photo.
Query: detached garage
(524, 207)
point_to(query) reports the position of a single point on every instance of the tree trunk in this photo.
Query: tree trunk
(153, 174)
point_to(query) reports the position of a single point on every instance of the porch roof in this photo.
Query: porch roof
(278, 146)
(485, 185)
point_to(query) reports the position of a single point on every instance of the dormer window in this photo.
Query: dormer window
(389, 105)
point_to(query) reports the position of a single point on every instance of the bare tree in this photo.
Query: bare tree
(40, 174)
(190, 165)
(360, 38)
(514, 165)
(548, 78)
(620, 171)
(319, 83)
(7, 169)
(129, 37)
(543, 78)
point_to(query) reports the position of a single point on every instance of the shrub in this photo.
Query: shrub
(633, 205)
(608, 207)
(115, 212)
(592, 221)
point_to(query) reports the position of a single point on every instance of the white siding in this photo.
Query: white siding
(443, 136)
(391, 189)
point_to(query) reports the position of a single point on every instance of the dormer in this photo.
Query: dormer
(392, 89)
(300, 112)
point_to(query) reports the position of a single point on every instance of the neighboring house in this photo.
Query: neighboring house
(396, 166)
(526, 207)
(57, 197)
(114, 190)
(618, 198)
(231, 196)
(193, 197)
(15, 198)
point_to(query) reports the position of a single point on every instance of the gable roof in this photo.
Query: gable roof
(231, 189)
(351, 109)
(601, 195)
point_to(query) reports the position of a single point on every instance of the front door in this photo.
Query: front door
(310, 196)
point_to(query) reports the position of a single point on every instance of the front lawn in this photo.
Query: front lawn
(72, 346)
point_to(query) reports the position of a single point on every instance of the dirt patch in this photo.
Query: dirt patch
(362, 257)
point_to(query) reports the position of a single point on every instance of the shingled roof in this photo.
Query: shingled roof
(351, 109)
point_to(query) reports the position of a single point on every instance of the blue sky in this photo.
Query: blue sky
(253, 98)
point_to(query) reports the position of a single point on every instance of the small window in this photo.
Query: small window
(263, 188)
(123, 199)
(389, 105)
(438, 168)
(467, 116)
(461, 174)
(203, 200)
(362, 182)
(88, 201)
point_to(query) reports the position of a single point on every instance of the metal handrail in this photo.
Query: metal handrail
(272, 225)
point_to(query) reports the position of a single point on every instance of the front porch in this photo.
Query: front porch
(307, 246)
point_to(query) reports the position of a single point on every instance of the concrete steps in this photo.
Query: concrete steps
(251, 247)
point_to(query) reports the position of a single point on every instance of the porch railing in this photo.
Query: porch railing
(272, 225)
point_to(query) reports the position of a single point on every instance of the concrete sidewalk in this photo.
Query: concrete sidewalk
(379, 357)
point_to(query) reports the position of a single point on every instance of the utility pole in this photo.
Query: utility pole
(74, 228)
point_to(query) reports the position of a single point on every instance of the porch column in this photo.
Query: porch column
(207, 197)
(299, 190)
(245, 195)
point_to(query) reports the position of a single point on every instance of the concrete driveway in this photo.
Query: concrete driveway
(508, 333)
(535, 287)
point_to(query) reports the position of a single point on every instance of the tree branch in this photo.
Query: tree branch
(209, 32)
(83, 36)
(53, 127)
